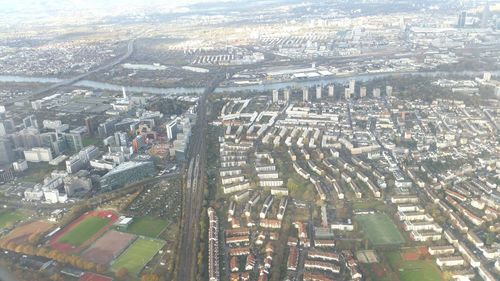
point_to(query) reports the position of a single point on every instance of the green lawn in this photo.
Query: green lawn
(418, 270)
(379, 229)
(7, 217)
(368, 204)
(146, 226)
(138, 255)
(83, 231)
(36, 172)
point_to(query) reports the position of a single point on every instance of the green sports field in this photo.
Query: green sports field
(7, 217)
(83, 231)
(418, 270)
(146, 226)
(138, 255)
(379, 229)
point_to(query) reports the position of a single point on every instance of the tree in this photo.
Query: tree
(56, 277)
(100, 268)
(150, 277)
(121, 273)
(42, 251)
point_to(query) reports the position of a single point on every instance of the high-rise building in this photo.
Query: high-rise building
(121, 139)
(331, 90)
(486, 76)
(38, 154)
(51, 139)
(27, 138)
(127, 173)
(286, 94)
(3, 131)
(275, 95)
(172, 130)
(388, 90)
(362, 92)
(107, 127)
(485, 16)
(305, 94)
(91, 124)
(347, 93)
(318, 92)
(30, 121)
(6, 154)
(73, 141)
(376, 92)
(461, 19)
(352, 86)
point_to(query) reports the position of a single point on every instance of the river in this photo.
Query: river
(256, 87)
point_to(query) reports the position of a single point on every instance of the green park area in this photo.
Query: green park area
(36, 172)
(83, 231)
(146, 226)
(379, 229)
(138, 255)
(9, 217)
(414, 270)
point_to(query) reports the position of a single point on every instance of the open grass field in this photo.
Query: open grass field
(147, 226)
(21, 234)
(379, 229)
(36, 172)
(138, 255)
(416, 270)
(83, 231)
(8, 216)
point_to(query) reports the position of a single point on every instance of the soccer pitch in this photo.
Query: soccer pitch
(138, 255)
(379, 229)
(147, 226)
(83, 231)
(418, 270)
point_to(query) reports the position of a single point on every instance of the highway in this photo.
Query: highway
(193, 189)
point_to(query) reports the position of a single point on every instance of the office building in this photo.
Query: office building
(347, 93)
(121, 139)
(20, 165)
(6, 154)
(73, 141)
(127, 173)
(318, 92)
(331, 90)
(172, 130)
(3, 130)
(487, 76)
(275, 96)
(352, 86)
(388, 90)
(376, 92)
(38, 154)
(462, 19)
(362, 92)
(30, 122)
(286, 94)
(305, 94)
(77, 182)
(485, 16)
